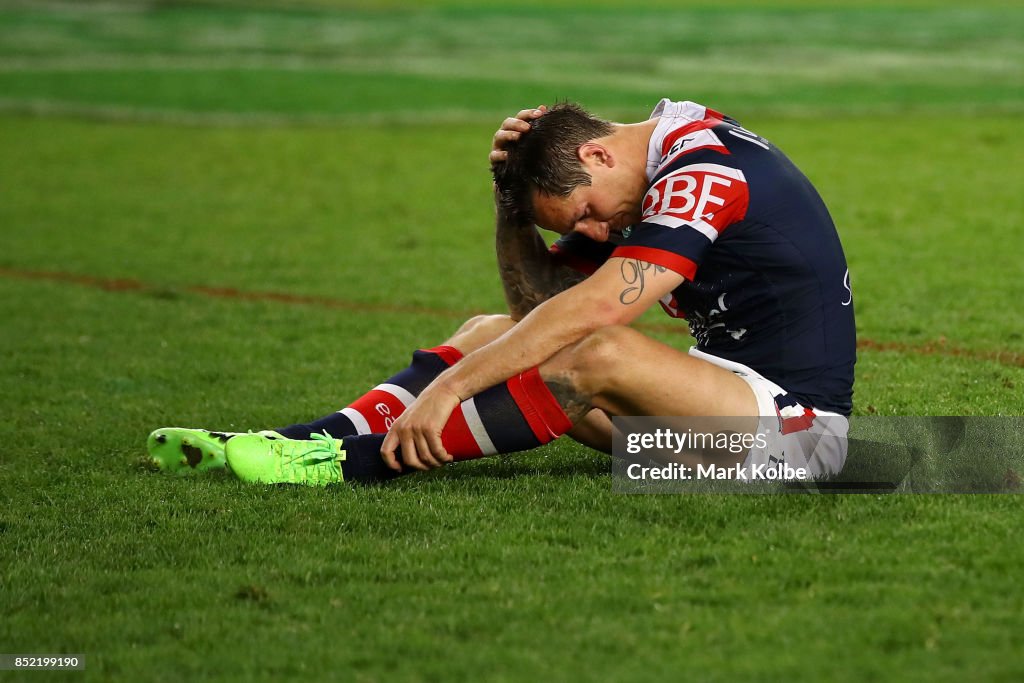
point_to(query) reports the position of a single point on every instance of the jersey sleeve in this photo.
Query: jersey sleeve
(580, 253)
(684, 212)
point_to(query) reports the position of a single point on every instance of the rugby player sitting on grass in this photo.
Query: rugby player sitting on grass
(687, 210)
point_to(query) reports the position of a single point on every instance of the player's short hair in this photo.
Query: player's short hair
(545, 160)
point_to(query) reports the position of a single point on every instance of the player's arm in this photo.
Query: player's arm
(529, 273)
(616, 294)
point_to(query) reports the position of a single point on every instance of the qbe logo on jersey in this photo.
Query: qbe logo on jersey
(707, 197)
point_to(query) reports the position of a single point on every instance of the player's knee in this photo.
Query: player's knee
(496, 325)
(600, 351)
(592, 364)
(480, 330)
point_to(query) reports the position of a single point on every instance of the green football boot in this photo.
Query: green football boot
(183, 451)
(258, 459)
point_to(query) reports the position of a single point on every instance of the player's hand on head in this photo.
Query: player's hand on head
(511, 130)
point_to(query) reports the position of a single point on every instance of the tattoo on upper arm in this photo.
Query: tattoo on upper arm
(634, 274)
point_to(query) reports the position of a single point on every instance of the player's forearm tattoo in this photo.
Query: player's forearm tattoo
(528, 273)
(574, 402)
(634, 274)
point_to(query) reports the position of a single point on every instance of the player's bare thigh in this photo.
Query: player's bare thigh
(594, 430)
(623, 372)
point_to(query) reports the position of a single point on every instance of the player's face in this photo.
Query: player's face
(607, 206)
(588, 211)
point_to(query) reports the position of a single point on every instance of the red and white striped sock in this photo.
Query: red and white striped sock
(515, 416)
(518, 415)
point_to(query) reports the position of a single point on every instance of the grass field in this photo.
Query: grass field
(229, 217)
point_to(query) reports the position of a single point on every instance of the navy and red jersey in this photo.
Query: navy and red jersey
(767, 283)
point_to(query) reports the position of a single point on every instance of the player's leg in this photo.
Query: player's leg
(185, 450)
(624, 372)
(594, 430)
(616, 371)
(516, 415)
(376, 411)
(621, 371)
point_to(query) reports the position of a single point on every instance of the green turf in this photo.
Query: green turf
(338, 157)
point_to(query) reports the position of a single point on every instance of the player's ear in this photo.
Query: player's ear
(592, 153)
